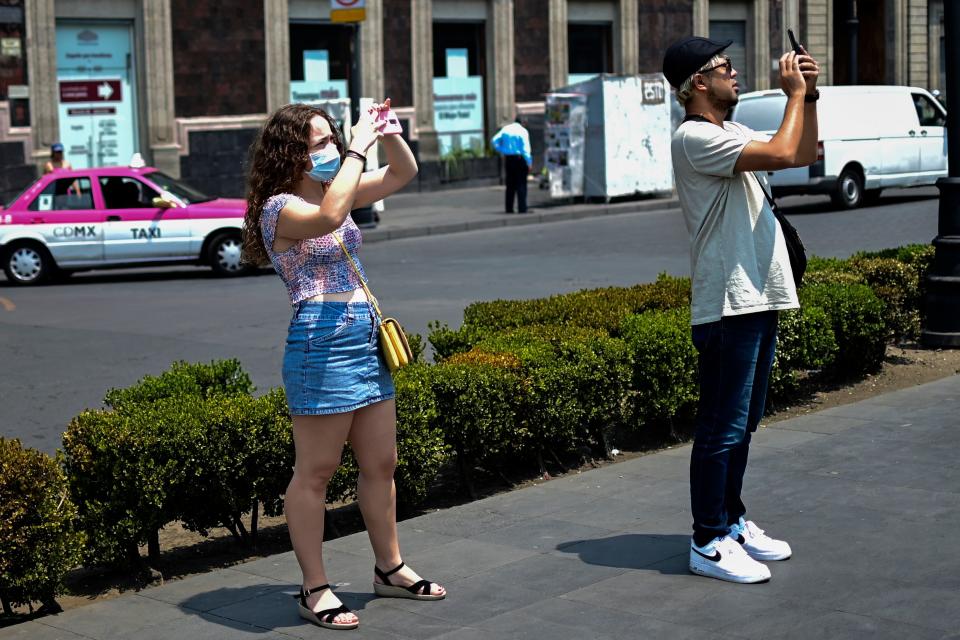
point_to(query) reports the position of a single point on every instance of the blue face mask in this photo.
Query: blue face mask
(325, 162)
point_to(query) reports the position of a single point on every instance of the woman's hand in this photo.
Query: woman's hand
(367, 131)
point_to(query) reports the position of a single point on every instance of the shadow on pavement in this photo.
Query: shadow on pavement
(667, 554)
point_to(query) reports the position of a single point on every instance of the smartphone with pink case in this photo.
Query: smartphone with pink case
(393, 122)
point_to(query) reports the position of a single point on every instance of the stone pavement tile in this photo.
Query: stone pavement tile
(779, 439)
(284, 568)
(472, 600)
(617, 513)
(773, 623)
(472, 633)
(556, 619)
(542, 534)
(215, 589)
(931, 394)
(539, 500)
(205, 627)
(921, 605)
(626, 481)
(628, 550)
(549, 575)
(380, 616)
(839, 625)
(413, 538)
(874, 412)
(463, 558)
(667, 467)
(680, 598)
(124, 617)
(824, 423)
(911, 469)
(35, 630)
(467, 520)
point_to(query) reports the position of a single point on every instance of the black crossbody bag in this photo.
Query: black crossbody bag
(795, 249)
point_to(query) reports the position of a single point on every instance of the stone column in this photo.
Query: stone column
(819, 36)
(371, 52)
(158, 61)
(276, 35)
(629, 37)
(503, 102)
(559, 56)
(761, 44)
(791, 20)
(701, 18)
(421, 38)
(41, 32)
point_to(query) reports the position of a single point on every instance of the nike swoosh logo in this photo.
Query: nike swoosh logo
(741, 540)
(714, 558)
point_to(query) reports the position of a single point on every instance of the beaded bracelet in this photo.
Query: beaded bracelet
(356, 154)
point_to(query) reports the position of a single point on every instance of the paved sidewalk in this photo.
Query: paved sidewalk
(868, 495)
(433, 213)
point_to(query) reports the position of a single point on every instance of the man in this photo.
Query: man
(513, 141)
(741, 280)
(56, 160)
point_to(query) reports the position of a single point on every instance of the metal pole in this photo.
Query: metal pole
(942, 301)
(853, 30)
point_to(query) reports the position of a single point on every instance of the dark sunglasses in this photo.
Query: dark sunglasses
(727, 62)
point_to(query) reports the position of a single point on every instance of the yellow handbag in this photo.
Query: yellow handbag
(393, 342)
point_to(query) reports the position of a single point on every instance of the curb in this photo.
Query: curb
(590, 211)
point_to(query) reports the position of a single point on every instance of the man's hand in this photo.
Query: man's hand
(810, 70)
(792, 80)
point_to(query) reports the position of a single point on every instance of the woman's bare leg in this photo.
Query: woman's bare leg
(373, 437)
(319, 442)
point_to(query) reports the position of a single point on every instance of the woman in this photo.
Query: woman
(302, 186)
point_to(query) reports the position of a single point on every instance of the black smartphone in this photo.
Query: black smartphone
(793, 42)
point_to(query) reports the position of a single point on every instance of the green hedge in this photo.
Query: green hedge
(857, 319)
(39, 539)
(805, 344)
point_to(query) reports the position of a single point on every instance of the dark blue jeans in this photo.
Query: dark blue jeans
(736, 356)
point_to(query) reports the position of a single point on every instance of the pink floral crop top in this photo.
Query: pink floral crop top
(315, 265)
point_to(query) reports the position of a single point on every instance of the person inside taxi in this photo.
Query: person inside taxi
(302, 184)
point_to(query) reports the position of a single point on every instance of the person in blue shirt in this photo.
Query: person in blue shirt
(513, 141)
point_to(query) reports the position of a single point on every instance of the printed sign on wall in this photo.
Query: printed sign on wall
(97, 100)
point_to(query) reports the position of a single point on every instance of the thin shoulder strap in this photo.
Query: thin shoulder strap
(773, 205)
(366, 289)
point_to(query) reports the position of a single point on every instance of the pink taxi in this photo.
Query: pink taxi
(116, 216)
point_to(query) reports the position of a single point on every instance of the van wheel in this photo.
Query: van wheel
(849, 193)
(27, 263)
(223, 255)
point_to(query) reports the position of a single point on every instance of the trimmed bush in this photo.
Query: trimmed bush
(39, 540)
(805, 344)
(664, 386)
(477, 395)
(857, 318)
(602, 309)
(221, 377)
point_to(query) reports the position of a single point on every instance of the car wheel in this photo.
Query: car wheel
(849, 194)
(224, 255)
(27, 263)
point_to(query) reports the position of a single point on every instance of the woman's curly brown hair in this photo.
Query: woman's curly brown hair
(278, 158)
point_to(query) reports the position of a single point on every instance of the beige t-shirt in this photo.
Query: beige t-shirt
(738, 256)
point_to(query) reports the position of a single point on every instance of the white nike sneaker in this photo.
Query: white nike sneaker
(757, 544)
(724, 559)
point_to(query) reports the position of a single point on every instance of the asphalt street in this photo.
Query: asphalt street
(62, 346)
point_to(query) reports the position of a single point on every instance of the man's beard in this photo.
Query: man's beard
(724, 105)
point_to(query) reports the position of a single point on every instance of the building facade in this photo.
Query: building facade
(186, 83)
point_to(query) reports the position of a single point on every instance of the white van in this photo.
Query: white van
(871, 137)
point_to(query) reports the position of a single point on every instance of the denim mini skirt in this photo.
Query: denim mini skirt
(332, 361)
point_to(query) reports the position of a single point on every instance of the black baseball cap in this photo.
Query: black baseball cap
(685, 57)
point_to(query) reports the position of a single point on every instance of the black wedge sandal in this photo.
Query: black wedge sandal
(416, 591)
(326, 617)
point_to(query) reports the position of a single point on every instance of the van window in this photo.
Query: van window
(762, 114)
(929, 114)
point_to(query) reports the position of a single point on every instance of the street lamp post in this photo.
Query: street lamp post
(942, 302)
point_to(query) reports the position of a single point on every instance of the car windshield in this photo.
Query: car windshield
(187, 194)
(761, 114)
(8, 203)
